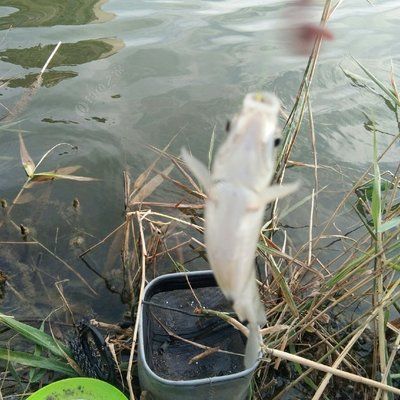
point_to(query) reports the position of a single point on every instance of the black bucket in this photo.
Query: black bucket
(165, 370)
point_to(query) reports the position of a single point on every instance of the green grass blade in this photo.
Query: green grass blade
(31, 360)
(307, 380)
(35, 336)
(376, 205)
(365, 222)
(359, 81)
(373, 78)
(281, 282)
(17, 378)
(389, 224)
(349, 269)
(35, 374)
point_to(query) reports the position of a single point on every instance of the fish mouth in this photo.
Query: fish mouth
(265, 102)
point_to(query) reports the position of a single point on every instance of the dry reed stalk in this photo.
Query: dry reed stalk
(177, 206)
(325, 339)
(60, 290)
(310, 231)
(130, 256)
(313, 145)
(170, 217)
(102, 241)
(24, 242)
(325, 368)
(140, 303)
(338, 361)
(389, 364)
(386, 299)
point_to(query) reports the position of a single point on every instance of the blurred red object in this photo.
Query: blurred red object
(303, 32)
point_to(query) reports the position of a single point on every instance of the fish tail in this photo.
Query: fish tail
(250, 307)
(253, 346)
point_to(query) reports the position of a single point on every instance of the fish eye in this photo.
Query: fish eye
(277, 142)
(228, 126)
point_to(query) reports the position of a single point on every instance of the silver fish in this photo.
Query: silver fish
(238, 191)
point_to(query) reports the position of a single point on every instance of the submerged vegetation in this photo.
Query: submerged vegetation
(331, 298)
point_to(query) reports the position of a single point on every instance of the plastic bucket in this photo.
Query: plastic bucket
(174, 369)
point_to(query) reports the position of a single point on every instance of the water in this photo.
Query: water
(130, 73)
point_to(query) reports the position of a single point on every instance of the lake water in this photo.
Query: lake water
(135, 73)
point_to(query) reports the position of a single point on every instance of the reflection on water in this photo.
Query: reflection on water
(35, 57)
(69, 53)
(32, 272)
(50, 78)
(53, 12)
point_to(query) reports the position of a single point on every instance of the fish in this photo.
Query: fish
(238, 188)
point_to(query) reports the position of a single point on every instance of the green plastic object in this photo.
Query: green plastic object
(78, 389)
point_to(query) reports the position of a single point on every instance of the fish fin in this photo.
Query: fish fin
(278, 191)
(253, 346)
(198, 169)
